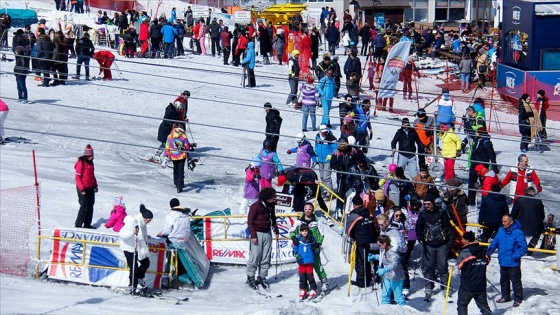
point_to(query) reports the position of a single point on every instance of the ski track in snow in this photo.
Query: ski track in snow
(98, 111)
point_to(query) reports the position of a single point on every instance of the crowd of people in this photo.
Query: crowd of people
(390, 212)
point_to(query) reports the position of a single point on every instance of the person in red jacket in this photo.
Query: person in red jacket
(105, 59)
(86, 185)
(143, 37)
(489, 178)
(522, 177)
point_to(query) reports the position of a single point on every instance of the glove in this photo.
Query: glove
(328, 158)
(372, 257)
(298, 258)
(459, 152)
(295, 241)
(316, 248)
(370, 135)
(381, 271)
(95, 190)
(289, 152)
(496, 169)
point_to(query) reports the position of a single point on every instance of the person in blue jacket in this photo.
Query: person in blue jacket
(169, 32)
(304, 253)
(326, 89)
(510, 240)
(249, 63)
(325, 145)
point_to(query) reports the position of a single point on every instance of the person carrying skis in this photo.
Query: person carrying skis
(86, 184)
(260, 221)
(306, 156)
(309, 219)
(270, 163)
(304, 250)
(390, 269)
(116, 220)
(134, 243)
(252, 188)
(176, 148)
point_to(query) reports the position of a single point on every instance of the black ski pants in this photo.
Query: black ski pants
(508, 276)
(363, 276)
(465, 297)
(226, 51)
(300, 191)
(139, 271)
(435, 258)
(179, 173)
(215, 45)
(85, 214)
(251, 76)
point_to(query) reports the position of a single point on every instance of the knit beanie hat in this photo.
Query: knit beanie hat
(469, 236)
(430, 197)
(267, 105)
(88, 151)
(379, 195)
(146, 214)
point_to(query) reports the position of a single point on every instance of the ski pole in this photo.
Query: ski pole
(365, 274)
(277, 254)
(133, 276)
(194, 142)
(278, 249)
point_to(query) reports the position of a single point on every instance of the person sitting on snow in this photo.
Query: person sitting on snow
(116, 220)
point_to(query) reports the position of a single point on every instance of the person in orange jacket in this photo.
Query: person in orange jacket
(105, 59)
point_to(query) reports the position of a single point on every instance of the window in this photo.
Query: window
(516, 46)
(456, 14)
(441, 14)
(550, 59)
(421, 15)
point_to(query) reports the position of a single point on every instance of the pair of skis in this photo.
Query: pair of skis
(157, 295)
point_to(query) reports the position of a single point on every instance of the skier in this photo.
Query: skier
(407, 139)
(446, 109)
(184, 99)
(270, 164)
(177, 227)
(390, 269)
(293, 77)
(249, 63)
(304, 250)
(105, 59)
(326, 89)
(86, 184)
(171, 115)
(252, 188)
(84, 50)
(176, 149)
(116, 220)
(260, 220)
(273, 125)
(309, 219)
(306, 156)
(302, 179)
(325, 145)
(134, 243)
(343, 159)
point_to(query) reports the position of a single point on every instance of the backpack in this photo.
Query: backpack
(434, 232)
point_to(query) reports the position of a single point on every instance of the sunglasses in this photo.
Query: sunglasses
(427, 203)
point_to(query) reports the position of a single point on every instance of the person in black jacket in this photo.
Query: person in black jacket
(360, 227)
(171, 115)
(215, 29)
(342, 161)
(84, 50)
(44, 55)
(472, 263)
(273, 124)
(529, 211)
(482, 152)
(436, 236)
(353, 65)
(407, 139)
(365, 34)
(21, 69)
(364, 178)
(302, 178)
(492, 209)
(155, 38)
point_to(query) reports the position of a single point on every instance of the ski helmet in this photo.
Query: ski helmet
(392, 167)
(351, 140)
(300, 137)
(267, 143)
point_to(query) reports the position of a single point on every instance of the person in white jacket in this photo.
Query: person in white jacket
(177, 228)
(134, 242)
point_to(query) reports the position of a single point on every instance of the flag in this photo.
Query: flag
(395, 63)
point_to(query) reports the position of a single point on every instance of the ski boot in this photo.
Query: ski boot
(302, 294)
(325, 287)
(428, 296)
(312, 294)
(251, 283)
(262, 282)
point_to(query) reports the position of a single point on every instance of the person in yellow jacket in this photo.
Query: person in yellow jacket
(450, 150)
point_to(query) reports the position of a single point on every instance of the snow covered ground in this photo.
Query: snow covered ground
(120, 120)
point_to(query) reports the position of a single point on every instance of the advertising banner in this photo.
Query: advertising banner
(91, 257)
(242, 16)
(395, 63)
(227, 240)
(199, 11)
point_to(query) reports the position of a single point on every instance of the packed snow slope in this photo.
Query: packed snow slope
(120, 119)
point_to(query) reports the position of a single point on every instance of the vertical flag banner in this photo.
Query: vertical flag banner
(395, 63)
